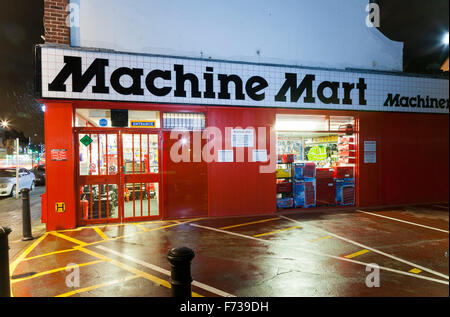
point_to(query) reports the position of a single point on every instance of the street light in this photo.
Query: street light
(445, 39)
(4, 124)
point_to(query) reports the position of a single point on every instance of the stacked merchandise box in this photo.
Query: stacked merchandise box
(284, 187)
(345, 185)
(347, 149)
(325, 187)
(287, 202)
(304, 188)
(284, 181)
(305, 192)
(306, 169)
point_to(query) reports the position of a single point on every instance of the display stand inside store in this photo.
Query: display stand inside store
(316, 168)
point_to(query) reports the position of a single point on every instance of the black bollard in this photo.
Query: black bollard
(5, 290)
(180, 276)
(26, 217)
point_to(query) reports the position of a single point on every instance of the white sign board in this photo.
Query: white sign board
(89, 74)
(370, 152)
(242, 138)
(225, 156)
(259, 155)
(370, 146)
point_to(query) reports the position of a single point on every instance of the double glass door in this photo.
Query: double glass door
(118, 175)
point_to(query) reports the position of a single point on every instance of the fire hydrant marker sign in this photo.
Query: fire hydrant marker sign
(86, 140)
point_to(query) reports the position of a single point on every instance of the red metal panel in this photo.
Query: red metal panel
(407, 144)
(186, 183)
(60, 176)
(241, 188)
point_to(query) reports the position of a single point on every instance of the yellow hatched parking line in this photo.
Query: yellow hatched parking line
(47, 254)
(101, 233)
(22, 256)
(248, 223)
(54, 271)
(276, 231)
(124, 266)
(131, 269)
(90, 288)
(63, 236)
(319, 239)
(353, 255)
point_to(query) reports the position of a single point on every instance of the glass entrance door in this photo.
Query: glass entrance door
(98, 177)
(118, 175)
(140, 175)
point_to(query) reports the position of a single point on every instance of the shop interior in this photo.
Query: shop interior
(316, 161)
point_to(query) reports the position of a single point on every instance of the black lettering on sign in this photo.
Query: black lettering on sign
(224, 83)
(150, 82)
(181, 78)
(333, 86)
(72, 68)
(135, 74)
(296, 91)
(254, 85)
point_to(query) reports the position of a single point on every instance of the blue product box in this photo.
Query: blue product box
(285, 202)
(305, 192)
(302, 170)
(345, 192)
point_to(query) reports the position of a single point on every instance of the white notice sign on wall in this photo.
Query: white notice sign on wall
(242, 138)
(225, 156)
(370, 152)
(259, 155)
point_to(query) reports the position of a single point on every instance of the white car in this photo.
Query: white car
(8, 181)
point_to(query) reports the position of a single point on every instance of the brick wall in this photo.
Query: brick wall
(55, 14)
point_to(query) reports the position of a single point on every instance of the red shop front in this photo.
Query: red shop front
(152, 138)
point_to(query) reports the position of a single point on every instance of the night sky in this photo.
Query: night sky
(419, 24)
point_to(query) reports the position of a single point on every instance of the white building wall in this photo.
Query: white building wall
(318, 33)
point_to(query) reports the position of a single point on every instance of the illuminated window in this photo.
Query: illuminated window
(183, 121)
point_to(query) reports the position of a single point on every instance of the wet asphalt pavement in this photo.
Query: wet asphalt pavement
(381, 253)
(11, 216)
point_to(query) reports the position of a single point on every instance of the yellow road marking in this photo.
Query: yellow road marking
(131, 269)
(272, 232)
(63, 236)
(248, 223)
(90, 288)
(148, 230)
(101, 233)
(323, 238)
(47, 254)
(54, 271)
(141, 227)
(415, 271)
(22, 256)
(70, 230)
(356, 254)
(13, 265)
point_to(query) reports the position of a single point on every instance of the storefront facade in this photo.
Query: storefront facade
(177, 156)
(139, 136)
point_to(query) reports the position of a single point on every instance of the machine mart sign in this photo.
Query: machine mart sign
(72, 73)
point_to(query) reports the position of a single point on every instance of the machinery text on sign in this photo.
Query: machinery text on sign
(197, 81)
